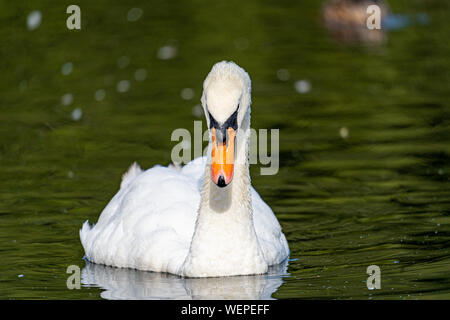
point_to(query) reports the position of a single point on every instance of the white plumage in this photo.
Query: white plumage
(149, 223)
(178, 221)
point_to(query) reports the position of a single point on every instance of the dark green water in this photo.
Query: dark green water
(376, 192)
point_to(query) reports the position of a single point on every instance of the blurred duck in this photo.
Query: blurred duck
(347, 20)
(202, 220)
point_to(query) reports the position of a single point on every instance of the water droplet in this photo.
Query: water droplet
(343, 132)
(123, 62)
(283, 74)
(187, 93)
(123, 86)
(167, 52)
(302, 86)
(34, 20)
(67, 99)
(76, 115)
(67, 68)
(134, 14)
(100, 94)
(197, 111)
(140, 74)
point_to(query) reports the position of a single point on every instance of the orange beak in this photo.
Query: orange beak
(222, 164)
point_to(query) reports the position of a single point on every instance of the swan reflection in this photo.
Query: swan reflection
(121, 283)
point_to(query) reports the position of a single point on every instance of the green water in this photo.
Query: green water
(364, 154)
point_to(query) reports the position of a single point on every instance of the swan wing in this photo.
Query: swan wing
(268, 230)
(148, 224)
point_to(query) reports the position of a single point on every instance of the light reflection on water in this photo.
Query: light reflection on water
(120, 283)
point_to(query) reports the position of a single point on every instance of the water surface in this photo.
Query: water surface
(364, 141)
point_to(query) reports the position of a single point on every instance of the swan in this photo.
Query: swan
(204, 219)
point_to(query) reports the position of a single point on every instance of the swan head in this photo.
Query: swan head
(226, 101)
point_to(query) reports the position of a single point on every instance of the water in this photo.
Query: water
(364, 142)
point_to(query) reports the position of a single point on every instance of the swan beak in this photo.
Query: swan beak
(222, 164)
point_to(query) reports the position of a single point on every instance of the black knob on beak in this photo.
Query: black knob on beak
(221, 182)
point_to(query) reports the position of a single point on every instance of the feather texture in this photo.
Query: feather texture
(149, 223)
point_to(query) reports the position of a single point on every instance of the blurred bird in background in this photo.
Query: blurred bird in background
(346, 20)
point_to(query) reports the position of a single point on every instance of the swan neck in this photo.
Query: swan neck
(236, 197)
(224, 240)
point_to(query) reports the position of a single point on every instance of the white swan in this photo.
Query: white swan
(204, 220)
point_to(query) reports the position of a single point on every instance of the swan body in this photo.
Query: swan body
(201, 220)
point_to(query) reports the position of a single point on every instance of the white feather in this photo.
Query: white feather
(148, 224)
(133, 171)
